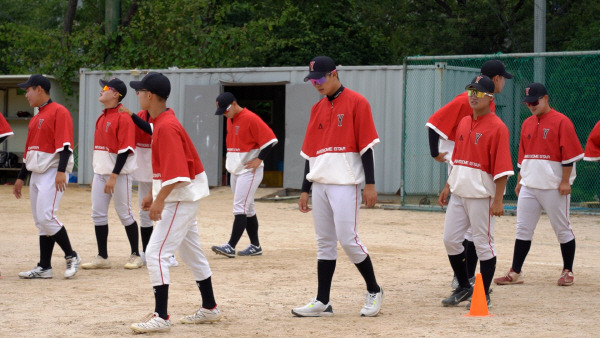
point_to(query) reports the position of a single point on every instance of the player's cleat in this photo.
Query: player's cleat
(97, 263)
(566, 278)
(203, 316)
(489, 302)
(373, 303)
(173, 261)
(251, 250)
(135, 262)
(72, 265)
(511, 278)
(225, 250)
(459, 295)
(152, 323)
(314, 309)
(37, 272)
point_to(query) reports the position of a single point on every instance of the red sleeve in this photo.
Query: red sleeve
(364, 127)
(170, 149)
(570, 148)
(261, 132)
(63, 129)
(521, 146)
(4, 126)
(500, 153)
(125, 134)
(447, 118)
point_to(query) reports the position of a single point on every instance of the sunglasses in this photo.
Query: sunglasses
(322, 80)
(107, 88)
(478, 94)
(137, 92)
(534, 103)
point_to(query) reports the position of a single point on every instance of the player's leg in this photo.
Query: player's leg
(100, 203)
(471, 255)
(482, 224)
(146, 224)
(122, 202)
(254, 248)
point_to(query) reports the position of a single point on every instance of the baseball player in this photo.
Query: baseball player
(113, 162)
(441, 127)
(5, 132)
(592, 146)
(249, 142)
(179, 182)
(481, 166)
(49, 157)
(548, 150)
(338, 148)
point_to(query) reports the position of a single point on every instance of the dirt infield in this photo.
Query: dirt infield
(257, 293)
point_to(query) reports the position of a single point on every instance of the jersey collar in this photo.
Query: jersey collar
(336, 94)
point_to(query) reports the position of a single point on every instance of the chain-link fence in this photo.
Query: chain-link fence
(571, 79)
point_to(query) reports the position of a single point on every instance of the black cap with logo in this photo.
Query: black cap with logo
(115, 84)
(223, 101)
(534, 91)
(155, 83)
(482, 83)
(492, 68)
(36, 80)
(319, 67)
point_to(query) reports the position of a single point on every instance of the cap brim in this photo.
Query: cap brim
(477, 87)
(530, 99)
(135, 84)
(314, 75)
(24, 85)
(507, 75)
(103, 83)
(220, 111)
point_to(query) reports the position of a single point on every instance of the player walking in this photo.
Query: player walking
(338, 148)
(249, 142)
(548, 150)
(49, 158)
(179, 183)
(481, 167)
(113, 162)
(5, 132)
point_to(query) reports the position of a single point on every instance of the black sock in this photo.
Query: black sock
(487, 268)
(471, 254)
(325, 270)
(134, 238)
(239, 225)
(206, 291)
(366, 270)
(568, 254)
(102, 239)
(459, 265)
(62, 239)
(46, 248)
(252, 229)
(161, 300)
(519, 255)
(146, 232)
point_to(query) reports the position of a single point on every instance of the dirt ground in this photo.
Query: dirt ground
(257, 293)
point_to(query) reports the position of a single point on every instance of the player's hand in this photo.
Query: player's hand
(17, 188)
(443, 199)
(564, 188)
(147, 202)
(303, 203)
(253, 164)
(156, 210)
(369, 195)
(518, 189)
(497, 208)
(109, 187)
(441, 157)
(123, 109)
(60, 181)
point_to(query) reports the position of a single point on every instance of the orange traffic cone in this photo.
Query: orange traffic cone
(479, 306)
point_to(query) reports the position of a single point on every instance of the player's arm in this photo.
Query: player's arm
(20, 181)
(443, 199)
(3, 138)
(497, 208)
(518, 186)
(564, 188)
(369, 192)
(109, 187)
(255, 163)
(306, 185)
(158, 204)
(434, 139)
(61, 178)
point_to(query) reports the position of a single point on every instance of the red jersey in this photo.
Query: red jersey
(143, 150)
(247, 135)
(176, 161)
(115, 134)
(50, 130)
(481, 156)
(592, 146)
(5, 129)
(338, 133)
(547, 142)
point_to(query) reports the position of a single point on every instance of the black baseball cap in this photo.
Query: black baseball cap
(319, 67)
(482, 83)
(223, 101)
(492, 68)
(116, 84)
(36, 80)
(155, 83)
(534, 91)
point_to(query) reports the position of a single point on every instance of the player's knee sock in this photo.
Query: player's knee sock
(62, 239)
(520, 253)
(206, 291)
(459, 265)
(325, 270)
(487, 273)
(252, 229)
(568, 254)
(134, 238)
(239, 225)
(146, 232)
(471, 254)
(46, 247)
(102, 239)
(161, 300)
(366, 270)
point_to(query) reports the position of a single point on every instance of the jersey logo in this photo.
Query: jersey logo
(546, 130)
(477, 136)
(312, 66)
(107, 125)
(340, 118)
(320, 126)
(237, 129)
(40, 123)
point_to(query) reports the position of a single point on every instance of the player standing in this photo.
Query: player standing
(249, 142)
(592, 146)
(338, 148)
(5, 132)
(49, 158)
(548, 150)
(113, 162)
(179, 183)
(442, 134)
(481, 167)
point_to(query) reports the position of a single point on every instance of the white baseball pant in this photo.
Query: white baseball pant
(122, 199)
(469, 233)
(464, 213)
(244, 188)
(143, 189)
(335, 213)
(176, 231)
(529, 208)
(44, 200)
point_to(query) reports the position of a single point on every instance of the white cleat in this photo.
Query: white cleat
(152, 323)
(173, 261)
(36, 273)
(203, 316)
(135, 262)
(97, 263)
(72, 265)
(314, 309)
(373, 303)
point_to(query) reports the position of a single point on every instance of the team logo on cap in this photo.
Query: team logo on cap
(478, 78)
(477, 136)
(340, 118)
(527, 91)
(312, 66)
